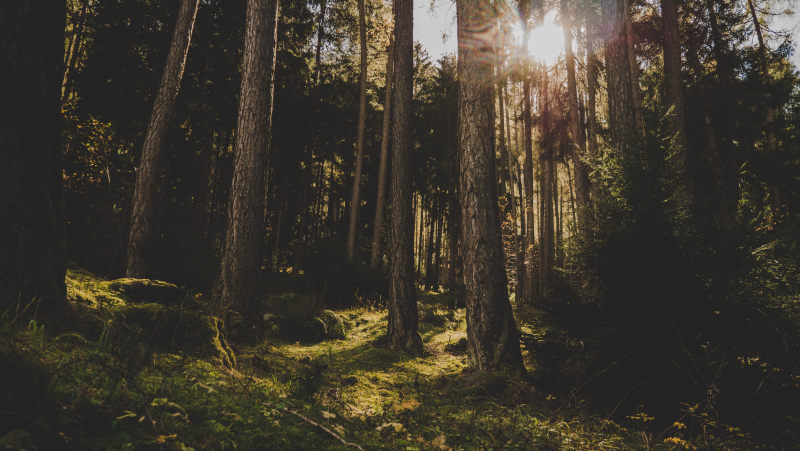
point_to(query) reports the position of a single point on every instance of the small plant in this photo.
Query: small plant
(37, 334)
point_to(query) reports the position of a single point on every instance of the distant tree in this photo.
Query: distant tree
(147, 175)
(492, 336)
(384, 161)
(242, 252)
(32, 257)
(402, 321)
(355, 200)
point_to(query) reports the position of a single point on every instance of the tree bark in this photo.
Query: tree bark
(241, 257)
(32, 262)
(402, 319)
(546, 197)
(377, 229)
(74, 48)
(529, 284)
(355, 200)
(492, 336)
(592, 74)
(147, 174)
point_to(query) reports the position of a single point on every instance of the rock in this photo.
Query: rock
(146, 290)
(334, 325)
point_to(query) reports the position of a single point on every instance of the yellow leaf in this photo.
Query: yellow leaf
(164, 438)
(328, 415)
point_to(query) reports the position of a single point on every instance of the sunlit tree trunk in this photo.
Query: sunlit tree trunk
(74, 47)
(578, 143)
(492, 337)
(147, 174)
(592, 74)
(402, 318)
(32, 260)
(242, 253)
(527, 147)
(546, 197)
(384, 161)
(355, 200)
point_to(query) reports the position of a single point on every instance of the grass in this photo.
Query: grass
(101, 396)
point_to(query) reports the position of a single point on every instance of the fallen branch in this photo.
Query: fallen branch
(322, 428)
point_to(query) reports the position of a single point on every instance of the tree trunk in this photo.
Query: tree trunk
(674, 100)
(362, 121)
(591, 107)
(527, 144)
(546, 197)
(241, 258)
(32, 263)
(377, 229)
(578, 144)
(147, 174)
(74, 48)
(402, 320)
(492, 337)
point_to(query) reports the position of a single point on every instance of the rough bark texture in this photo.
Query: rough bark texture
(492, 337)
(355, 200)
(147, 174)
(591, 100)
(674, 97)
(402, 320)
(31, 201)
(546, 197)
(241, 256)
(377, 230)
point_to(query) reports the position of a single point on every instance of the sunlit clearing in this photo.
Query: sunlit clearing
(546, 41)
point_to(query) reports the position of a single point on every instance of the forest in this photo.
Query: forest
(286, 224)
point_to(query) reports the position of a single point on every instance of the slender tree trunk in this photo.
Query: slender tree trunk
(674, 97)
(147, 174)
(430, 248)
(492, 337)
(578, 144)
(74, 48)
(546, 198)
(242, 254)
(32, 261)
(527, 144)
(591, 107)
(362, 121)
(384, 162)
(402, 319)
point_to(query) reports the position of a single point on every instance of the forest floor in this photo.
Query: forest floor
(115, 384)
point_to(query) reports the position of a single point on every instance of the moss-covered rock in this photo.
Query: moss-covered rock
(146, 290)
(334, 325)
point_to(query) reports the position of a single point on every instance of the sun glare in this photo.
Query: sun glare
(546, 41)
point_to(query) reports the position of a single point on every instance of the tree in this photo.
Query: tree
(32, 261)
(355, 200)
(241, 257)
(147, 175)
(402, 320)
(384, 162)
(528, 286)
(492, 336)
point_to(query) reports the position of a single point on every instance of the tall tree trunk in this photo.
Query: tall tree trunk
(147, 174)
(592, 75)
(377, 229)
(578, 144)
(241, 257)
(674, 97)
(527, 145)
(32, 262)
(492, 336)
(402, 320)
(622, 106)
(74, 48)
(546, 197)
(362, 121)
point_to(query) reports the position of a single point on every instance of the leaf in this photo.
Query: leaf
(439, 441)
(328, 415)
(128, 414)
(396, 426)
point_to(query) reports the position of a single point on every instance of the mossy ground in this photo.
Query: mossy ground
(102, 397)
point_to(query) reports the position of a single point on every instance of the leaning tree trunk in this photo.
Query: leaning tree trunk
(241, 256)
(31, 201)
(402, 321)
(355, 200)
(377, 230)
(142, 216)
(492, 336)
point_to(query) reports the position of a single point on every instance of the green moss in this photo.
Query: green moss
(146, 290)
(334, 325)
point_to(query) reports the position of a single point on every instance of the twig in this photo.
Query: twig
(322, 428)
